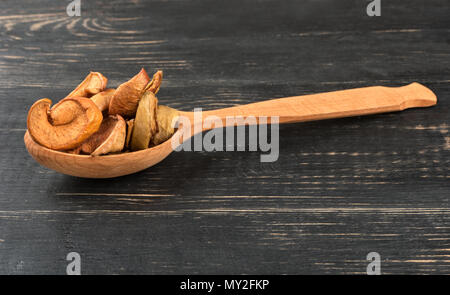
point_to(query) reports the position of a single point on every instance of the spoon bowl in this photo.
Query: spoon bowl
(330, 105)
(107, 166)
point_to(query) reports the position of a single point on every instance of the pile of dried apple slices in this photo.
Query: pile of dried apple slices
(94, 120)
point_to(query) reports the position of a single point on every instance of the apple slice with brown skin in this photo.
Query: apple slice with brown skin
(76, 119)
(102, 99)
(126, 97)
(94, 83)
(109, 138)
(155, 83)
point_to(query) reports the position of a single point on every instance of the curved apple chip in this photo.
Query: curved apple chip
(164, 120)
(126, 98)
(94, 83)
(109, 138)
(102, 99)
(145, 122)
(77, 118)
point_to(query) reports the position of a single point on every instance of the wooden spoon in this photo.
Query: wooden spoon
(338, 104)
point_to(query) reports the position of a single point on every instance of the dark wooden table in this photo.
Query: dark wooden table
(339, 190)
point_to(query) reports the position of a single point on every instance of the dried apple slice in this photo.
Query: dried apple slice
(155, 83)
(109, 138)
(102, 99)
(145, 122)
(80, 119)
(130, 125)
(126, 97)
(164, 117)
(94, 83)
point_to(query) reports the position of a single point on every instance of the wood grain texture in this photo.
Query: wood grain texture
(340, 189)
(331, 105)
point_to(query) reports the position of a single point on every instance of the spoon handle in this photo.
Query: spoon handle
(336, 104)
